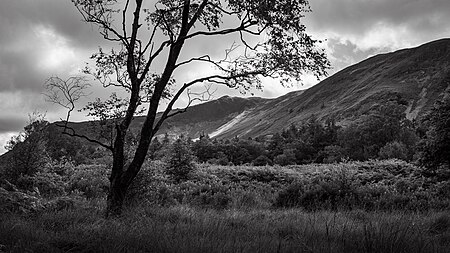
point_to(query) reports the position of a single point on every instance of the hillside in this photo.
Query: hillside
(415, 76)
(205, 118)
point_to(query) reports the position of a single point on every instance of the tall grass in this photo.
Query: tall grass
(376, 206)
(186, 229)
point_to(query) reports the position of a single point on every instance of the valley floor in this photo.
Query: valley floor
(373, 206)
(185, 229)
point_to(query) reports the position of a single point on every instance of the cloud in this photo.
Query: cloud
(358, 16)
(10, 124)
(61, 16)
(4, 138)
(39, 39)
(377, 26)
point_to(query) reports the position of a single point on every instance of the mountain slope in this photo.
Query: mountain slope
(204, 118)
(415, 76)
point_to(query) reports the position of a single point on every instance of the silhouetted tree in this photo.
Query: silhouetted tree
(284, 51)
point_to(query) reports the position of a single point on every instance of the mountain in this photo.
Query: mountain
(205, 118)
(416, 77)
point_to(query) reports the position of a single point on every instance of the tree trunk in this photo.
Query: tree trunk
(116, 197)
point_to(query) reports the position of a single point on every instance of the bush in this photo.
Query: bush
(373, 185)
(90, 180)
(321, 191)
(19, 202)
(49, 184)
(394, 149)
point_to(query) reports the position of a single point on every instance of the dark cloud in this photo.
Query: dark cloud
(19, 73)
(19, 16)
(357, 29)
(11, 124)
(355, 16)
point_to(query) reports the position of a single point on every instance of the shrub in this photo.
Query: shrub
(373, 185)
(322, 194)
(19, 202)
(90, 180)
(48, 183)
(151, 185)
(394, 149)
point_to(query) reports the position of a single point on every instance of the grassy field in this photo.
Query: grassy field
(376, 206)
(186, 229)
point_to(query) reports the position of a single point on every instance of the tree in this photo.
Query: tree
(271, 42)
(28, 149)
(364, 137)
(180, 160)
(435, 146)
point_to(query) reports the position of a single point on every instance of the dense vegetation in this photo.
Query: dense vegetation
(298, 191)
(376, 206)
(383, 133)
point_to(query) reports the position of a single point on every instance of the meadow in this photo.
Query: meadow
(373, 206)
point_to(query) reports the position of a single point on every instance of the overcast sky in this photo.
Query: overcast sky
(44, 38)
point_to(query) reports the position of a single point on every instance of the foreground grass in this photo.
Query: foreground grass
(184, 229)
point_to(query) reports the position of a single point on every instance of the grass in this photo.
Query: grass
(233, 209)
(185, 229)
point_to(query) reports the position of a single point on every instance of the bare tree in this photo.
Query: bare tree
(271, 42)
(66, 92)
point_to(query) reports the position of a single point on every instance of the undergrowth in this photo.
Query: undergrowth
(375, 206)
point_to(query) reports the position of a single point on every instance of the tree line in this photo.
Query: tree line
(383, 133)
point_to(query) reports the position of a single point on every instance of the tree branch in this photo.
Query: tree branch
(74, 134)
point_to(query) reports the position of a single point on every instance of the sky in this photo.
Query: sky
(40, 39)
